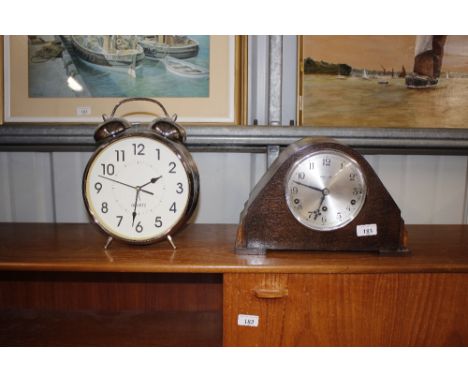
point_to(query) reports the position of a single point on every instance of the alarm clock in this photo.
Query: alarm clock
(141, 185)
(320, 195)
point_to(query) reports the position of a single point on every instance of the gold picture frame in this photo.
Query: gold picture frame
(225, 104)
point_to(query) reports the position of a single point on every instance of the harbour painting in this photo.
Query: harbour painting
(385, 81)
(118, 66)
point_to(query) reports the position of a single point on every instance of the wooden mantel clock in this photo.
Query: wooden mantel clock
(320, 195)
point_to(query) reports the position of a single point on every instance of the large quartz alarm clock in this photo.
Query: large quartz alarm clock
(141, 185)
(320, 195)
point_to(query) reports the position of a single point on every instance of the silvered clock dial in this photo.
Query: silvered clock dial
(325, 190)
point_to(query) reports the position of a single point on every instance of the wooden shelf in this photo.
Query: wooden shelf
(58, 286)
(210, 249)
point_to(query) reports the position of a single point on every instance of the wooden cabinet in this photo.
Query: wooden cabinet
(347, 309)
(58, 286)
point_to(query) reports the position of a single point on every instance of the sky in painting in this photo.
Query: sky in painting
(377, 52)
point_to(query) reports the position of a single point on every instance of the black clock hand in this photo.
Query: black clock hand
(306, 185)
(124, 184)
(134, 214)
(317, 212)
(153, 180)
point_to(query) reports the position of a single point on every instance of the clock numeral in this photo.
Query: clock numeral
(339, 216)
(324, 219)
(352, 177)
(311, 165)
(158, 154)
(294, 190)
(158, 222)
(120, 217)
(138, 149)
(326, 162)
(301, 175)
(120, 155)
(180, 188)
(173, 208)
(104, 208)
(172, 167)
(108, 169)
(98, 187)
(139, 228)
(357, 191)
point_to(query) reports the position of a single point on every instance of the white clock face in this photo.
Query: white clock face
(325, 190)
(137, 189)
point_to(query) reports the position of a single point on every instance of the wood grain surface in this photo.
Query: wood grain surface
(110, 309)
(58, 286)
(90, 328)
(348, 310)
(210, 249)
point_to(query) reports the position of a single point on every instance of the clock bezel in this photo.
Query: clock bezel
(302, 159)
(190, 169)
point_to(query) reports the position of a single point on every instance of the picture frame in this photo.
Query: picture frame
(224, 104)
(381, 86)
(1, 80)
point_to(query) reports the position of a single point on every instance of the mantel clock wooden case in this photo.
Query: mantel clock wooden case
(320, 195)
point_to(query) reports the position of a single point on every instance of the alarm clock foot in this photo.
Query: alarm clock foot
(108, 242)
(169, 239)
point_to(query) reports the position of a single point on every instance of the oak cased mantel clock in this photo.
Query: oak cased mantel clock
(141, 185)
(320, 195)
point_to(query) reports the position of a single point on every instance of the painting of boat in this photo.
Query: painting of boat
(114, 66)
(157, 47)
(113, 50)
(185, 68)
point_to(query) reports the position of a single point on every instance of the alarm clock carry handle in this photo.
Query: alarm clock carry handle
(165, 126)
(133, 99)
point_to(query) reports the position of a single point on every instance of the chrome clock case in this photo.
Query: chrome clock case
(162, 129)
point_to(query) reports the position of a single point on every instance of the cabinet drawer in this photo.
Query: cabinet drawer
(418, 309)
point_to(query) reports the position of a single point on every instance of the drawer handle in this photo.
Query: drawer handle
(271, 293)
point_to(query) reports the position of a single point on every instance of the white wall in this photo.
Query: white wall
(46, 187)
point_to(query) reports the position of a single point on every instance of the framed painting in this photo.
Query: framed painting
(77, 78)
(383, 81)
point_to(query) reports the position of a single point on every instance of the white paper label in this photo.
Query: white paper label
(83, 110)
(247, 320)
(366, 230)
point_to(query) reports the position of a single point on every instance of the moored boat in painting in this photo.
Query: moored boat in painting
(115, 51)
(159, 46)
(185, 68)
(428, 55)
(365, 76)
